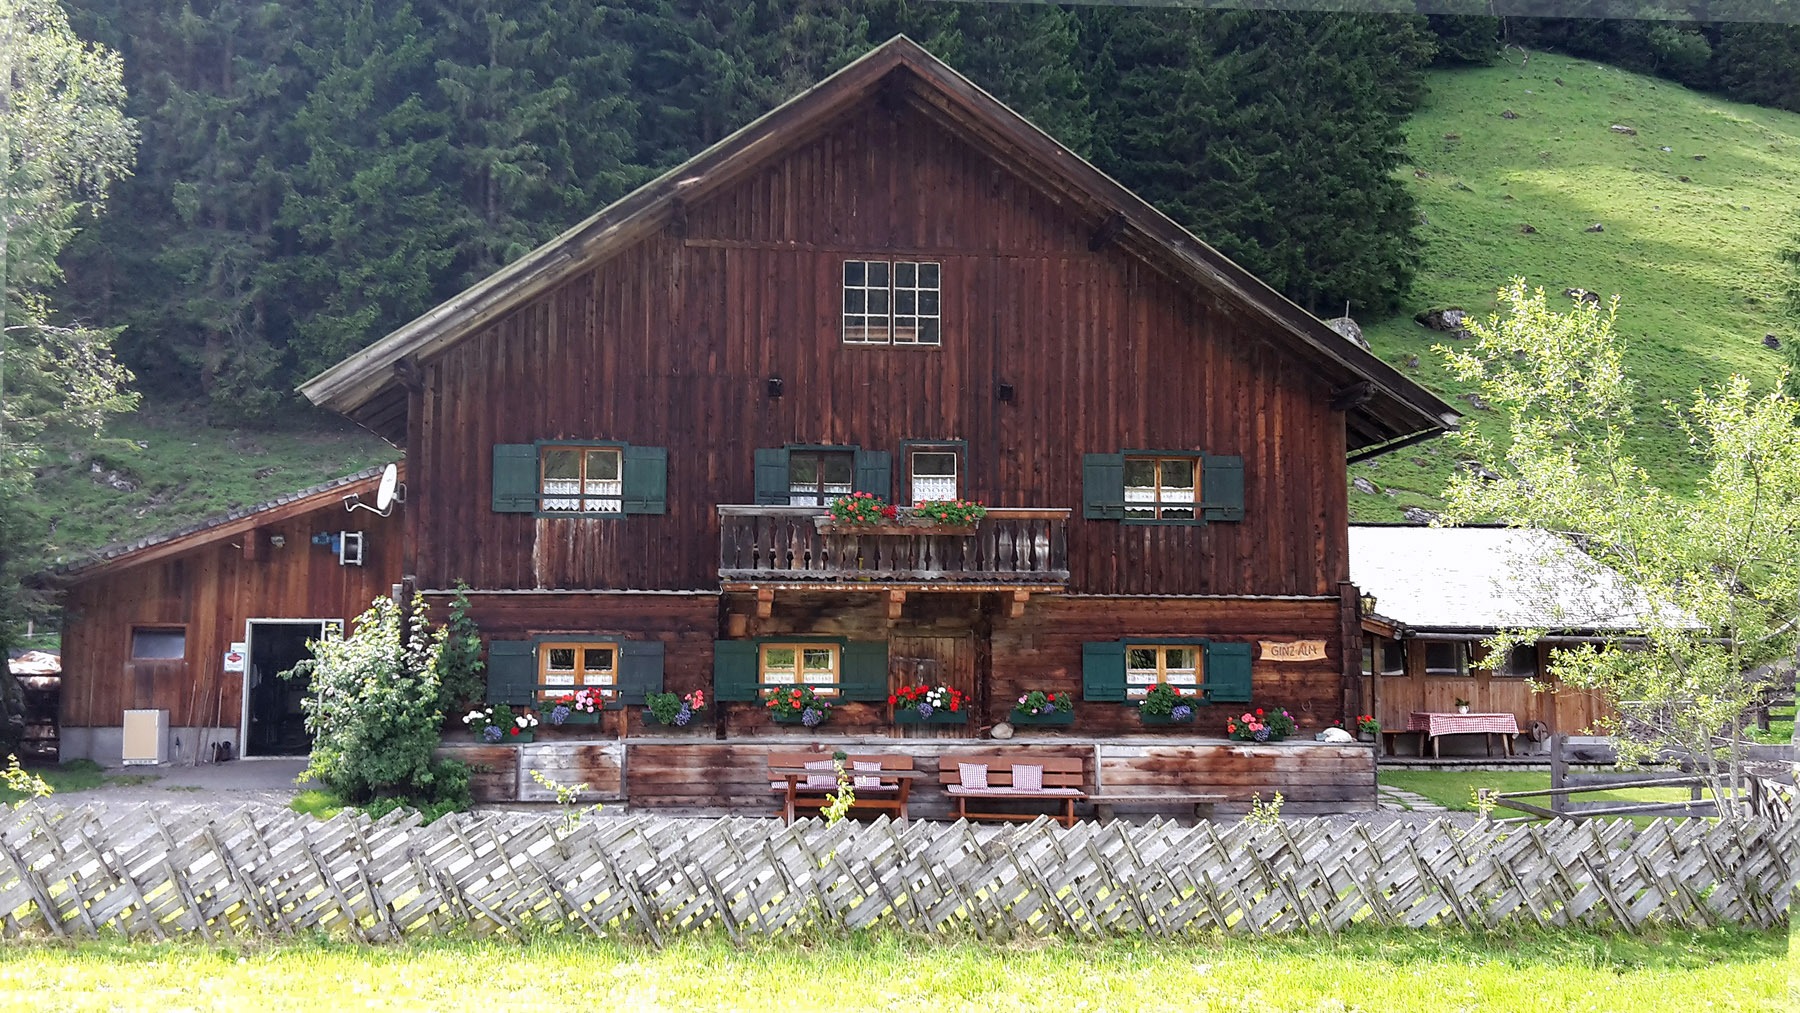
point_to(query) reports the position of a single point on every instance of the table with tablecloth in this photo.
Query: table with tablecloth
(1440, 723)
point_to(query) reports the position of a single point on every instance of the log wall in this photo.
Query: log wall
(1563, 709)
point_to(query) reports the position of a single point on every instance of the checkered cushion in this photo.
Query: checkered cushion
(972, 775)
(828, 779)
(867, 782)
(1028, 776)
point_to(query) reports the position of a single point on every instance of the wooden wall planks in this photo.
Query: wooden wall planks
(670, 342)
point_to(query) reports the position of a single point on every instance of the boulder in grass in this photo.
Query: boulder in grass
(1770, 341)
(1596, 227)
(1448, 318)
(1620, 128)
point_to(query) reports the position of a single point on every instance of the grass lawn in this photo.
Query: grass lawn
(1690, 239)
(1781, 727)
(1455, 789)
(76, 775)
(1388, 972)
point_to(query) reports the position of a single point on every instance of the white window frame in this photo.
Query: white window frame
(912, 472)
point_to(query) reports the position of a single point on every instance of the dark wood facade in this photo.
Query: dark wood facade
(207, 584)
(701, 320)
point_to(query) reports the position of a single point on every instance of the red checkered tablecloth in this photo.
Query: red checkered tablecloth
(1435, 723)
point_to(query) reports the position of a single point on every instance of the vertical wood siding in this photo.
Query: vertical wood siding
(670, 344)
(211, 592)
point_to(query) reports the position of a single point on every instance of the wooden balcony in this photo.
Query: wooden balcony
(1008, 549)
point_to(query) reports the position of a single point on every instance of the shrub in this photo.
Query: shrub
(459, 664)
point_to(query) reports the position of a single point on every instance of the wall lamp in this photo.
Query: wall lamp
(774, 386)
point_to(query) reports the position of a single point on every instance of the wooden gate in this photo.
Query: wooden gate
(933, 661)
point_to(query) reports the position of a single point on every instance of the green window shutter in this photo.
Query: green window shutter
(1103, 671)
(874, 475)
(515, 478)
(1222, 488)
(646, 475)
(865, 674)
(772, 476)
(640, 670)
(511, 672)
(734, 670)
(1227, 673)
(1103, 487)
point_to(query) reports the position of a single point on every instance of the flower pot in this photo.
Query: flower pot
(1462, 709)
(831, 526)
(1165, 719)
(575, 718)
(794, 719)
(1365, 736)
(1053, 718)
(694, 722)
(941, 716)
(525, 735)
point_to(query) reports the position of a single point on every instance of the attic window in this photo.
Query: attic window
(893, 302)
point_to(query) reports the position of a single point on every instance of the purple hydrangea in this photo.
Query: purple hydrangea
(925, 709)
(811, 718)
(1181, 712)
(684, 715)
(1261, 734)
(491, 733)
(559, 714)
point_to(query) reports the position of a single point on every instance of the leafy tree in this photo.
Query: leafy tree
(64, 140)
(373, 709)
(1716, 578)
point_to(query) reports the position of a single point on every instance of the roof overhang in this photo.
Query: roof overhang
(1381, 405)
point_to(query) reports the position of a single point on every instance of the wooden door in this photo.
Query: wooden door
(934, 661)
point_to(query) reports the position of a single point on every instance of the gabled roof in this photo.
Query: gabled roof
(1482, 579)
(212, 529)
(1382, 405)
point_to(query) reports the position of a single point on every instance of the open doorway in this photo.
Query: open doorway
(274, 718)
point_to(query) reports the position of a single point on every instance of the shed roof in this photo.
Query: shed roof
(1382, 405)
(227, 525)
(1478, 579)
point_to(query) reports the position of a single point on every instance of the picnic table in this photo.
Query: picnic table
(795, 778)
(1436, 724)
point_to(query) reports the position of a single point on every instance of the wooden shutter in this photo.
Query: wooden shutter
(646, 474)
(640, 670)
(734, 670)
(772, 476)
(1103, 671)
(865, 672)
(1227, 677)
(874, 475)
(511, 672)
(515, 478)
(1222, 488)
(1103, 486)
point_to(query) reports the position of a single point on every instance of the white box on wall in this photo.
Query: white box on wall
(146, 738)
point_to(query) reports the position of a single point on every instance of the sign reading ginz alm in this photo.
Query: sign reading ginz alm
(1293, 650)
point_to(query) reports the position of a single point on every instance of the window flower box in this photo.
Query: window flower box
(831, 526)
(911, 716)
(799, 719)
(1040, 707)
(1174, 718)
(1019, 717)
(1165, 705)
(929, 705)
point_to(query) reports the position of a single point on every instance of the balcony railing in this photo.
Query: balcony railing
(1013, 547)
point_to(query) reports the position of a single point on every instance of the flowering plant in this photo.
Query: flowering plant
(583, 701)
(1162, 701)
(1261, 726)
(862, 508)
(1367, 723)
(496, 722)
(927, 700)
(797, 702)
(950, 511)
(1038, 702)
(671, 709)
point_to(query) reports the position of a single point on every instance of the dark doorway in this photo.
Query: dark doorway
(277, 719)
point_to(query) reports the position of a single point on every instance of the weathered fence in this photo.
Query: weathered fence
(148, 874)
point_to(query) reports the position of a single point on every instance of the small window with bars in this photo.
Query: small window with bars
(1179, 665)
(893, 302)
(581, 480)
(1161, 488)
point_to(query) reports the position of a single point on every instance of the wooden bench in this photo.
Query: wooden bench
(1062, 783)
(1105, 805)
(788, 776)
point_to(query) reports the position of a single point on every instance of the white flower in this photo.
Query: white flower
(474, 716)
(523, 721)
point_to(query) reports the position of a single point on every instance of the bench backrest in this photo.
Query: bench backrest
(1059, 771)
(889, 761)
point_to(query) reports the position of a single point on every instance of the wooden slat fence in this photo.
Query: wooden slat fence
(150, 873)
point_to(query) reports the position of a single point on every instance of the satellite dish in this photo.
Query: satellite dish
(390, 483)
(389, 492)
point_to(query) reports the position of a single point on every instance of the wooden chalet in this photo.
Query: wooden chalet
(198, 623)
(1433, 595)
(625, 443)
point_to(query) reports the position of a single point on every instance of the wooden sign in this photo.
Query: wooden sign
(1295, 650)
